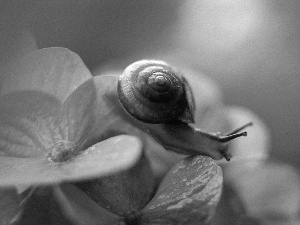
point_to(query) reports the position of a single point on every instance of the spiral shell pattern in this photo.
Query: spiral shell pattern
(153, 92)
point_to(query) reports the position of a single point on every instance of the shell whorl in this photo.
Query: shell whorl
(154, 92)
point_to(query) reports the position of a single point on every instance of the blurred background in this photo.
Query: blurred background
(251, 48)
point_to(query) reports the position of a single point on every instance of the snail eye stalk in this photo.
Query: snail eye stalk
(239, 129)
(227, 136)
(232, 135)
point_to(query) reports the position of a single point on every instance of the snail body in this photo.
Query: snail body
(154, 92)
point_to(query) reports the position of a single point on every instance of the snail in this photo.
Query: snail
(153, 92)
(157, 95)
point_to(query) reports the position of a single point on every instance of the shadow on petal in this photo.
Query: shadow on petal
(82, 209)
(123, 192)
(9, 205)
(42, 208)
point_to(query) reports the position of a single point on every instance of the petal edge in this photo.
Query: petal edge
(55, 71)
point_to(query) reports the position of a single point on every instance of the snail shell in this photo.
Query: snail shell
(154, 92)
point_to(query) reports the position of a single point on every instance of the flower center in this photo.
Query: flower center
(62, 151)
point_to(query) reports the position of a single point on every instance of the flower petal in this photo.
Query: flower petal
(188, 194)
(28, 123)
(81, 208)
(77, 113)
(104, 158)
(55, 71)
(124, 192)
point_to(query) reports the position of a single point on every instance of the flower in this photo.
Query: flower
(61, 125)
(43, 124)
(28, 124)
(188, 194)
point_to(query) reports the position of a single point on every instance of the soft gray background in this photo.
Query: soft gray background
(250, 47)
